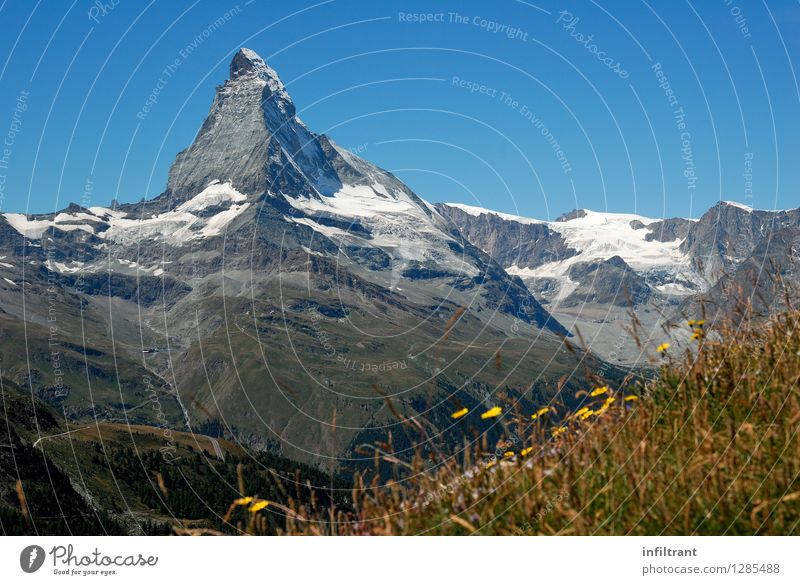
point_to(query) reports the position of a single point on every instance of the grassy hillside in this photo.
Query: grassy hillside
(60, 477)
(289, 368)
(74, 375)
(709, 446)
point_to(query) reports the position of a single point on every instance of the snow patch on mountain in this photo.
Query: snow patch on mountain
(599, 236)
(478, 211)
(326, 230)
(215, 194)
(34, 229)
(181, 225)
(73, 218)
(739, 205)
(64, 268)
(397, 223)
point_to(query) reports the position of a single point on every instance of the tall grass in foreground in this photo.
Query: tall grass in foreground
(710, 446)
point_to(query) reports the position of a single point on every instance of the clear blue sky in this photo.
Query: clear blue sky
(364, 74)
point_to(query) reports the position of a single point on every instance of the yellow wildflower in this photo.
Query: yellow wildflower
(599, 391)
(491, 464)
(508, 454)
(492, 412)
(525, 451)
(700, 323)
(259, 505)
(662, 348)
(691, 322)
(609, 400)
(459, 413)
(540, 412)
(558, 431)
(587, 414)
(631, 397)
(581, 411)
(243, 501)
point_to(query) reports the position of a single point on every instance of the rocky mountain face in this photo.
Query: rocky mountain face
(253, 139)
(280, 292)
(592, 269)
(288, 295)
(728, 234)
(606, 282)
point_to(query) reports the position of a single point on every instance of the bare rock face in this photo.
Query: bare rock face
(607, 282)
(728, 233)
(669, 230)
(570, 215)
(251, 138)
(767, 279)
(511, 243)
(10, 239)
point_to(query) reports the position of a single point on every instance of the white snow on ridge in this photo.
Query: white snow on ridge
(325, 230)
(181, 225)
(171, 225)
(177, 226)
(72, 218)
(600, 236)
(739, 205)
(34, 229)
(215, 194)
(362, 202)
(398, 224)
(478, 211)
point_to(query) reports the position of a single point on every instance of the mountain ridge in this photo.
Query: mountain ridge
(274, 265)
(591, 268)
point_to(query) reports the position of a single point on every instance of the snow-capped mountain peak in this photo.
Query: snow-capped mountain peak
(246, 63)
(551, 251)
(247, 66)
(595, 235)
(252, 138)
(277, 193)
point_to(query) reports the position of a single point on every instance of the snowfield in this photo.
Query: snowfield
(177, 226)
(600, 236)
(405, 228)
(34, 229)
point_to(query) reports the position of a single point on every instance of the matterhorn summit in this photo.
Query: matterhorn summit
(252, 138)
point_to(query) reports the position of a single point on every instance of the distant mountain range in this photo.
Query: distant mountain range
(592, 269)
(288, 295)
